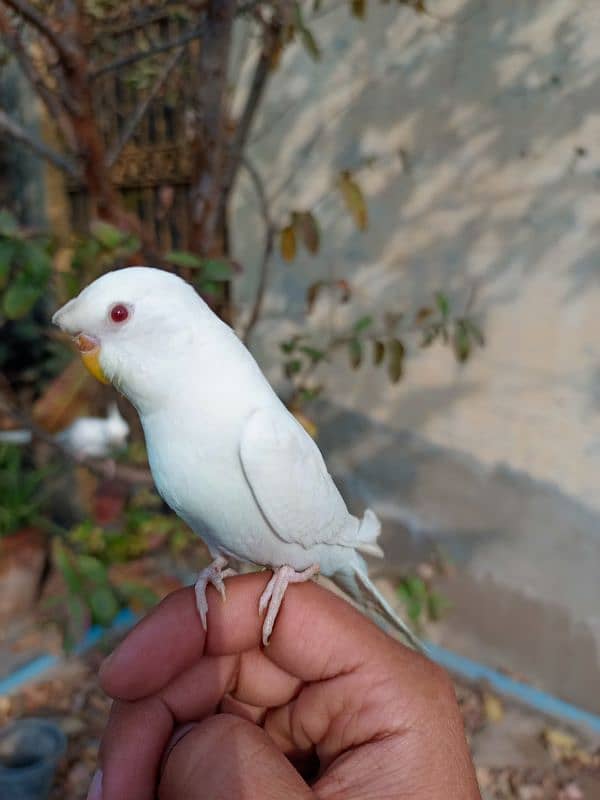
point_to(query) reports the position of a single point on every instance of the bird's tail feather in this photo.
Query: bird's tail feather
(368, 533)
(15, 437)
(358, 585)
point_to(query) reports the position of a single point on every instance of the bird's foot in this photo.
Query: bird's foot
(275, 589)
(214, 574)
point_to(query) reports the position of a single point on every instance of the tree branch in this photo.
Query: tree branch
(13, 42)
(267, 250)
(40, 21)
(138, 114)
(140, 55)
(21, 135)
(255, 93)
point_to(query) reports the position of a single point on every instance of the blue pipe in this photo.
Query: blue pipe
(522, 692)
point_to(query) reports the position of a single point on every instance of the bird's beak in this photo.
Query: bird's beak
(89, 349)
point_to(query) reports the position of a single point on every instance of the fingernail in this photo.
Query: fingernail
(177, 736)
(95, 790)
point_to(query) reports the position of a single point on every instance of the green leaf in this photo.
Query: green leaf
(461, 342)
(307, 394)
(308, 40)
(436, 606)
(109, 236)
(212, 288)
(18, 299)
(312, 352)
(310, 43)
(443, 304)
(136, 591)
(104, 605)
(7, 251)
(37, 263)
(182, 258)
(378, 352)
(65, 565)
(355, 353)
(396, 353)
(92, 569)
(215, 269)
(290, 346)
(292, 367)
(362, 324)
(8, 224)
(131, 244)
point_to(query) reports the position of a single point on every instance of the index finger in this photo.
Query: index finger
(317, 635)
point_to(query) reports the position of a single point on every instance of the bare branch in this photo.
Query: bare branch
(140, 55)
(262, 70)
(138, 114)
(267, 250)
(21, 135)
(41, 22)
(14, 43)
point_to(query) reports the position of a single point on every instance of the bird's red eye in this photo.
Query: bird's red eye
(119, 313)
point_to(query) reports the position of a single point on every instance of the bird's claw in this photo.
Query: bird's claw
(214, 574)
(274, 591)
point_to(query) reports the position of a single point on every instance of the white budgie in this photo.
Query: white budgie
(224, 451)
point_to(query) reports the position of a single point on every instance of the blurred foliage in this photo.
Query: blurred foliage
(422, 602)
(382, 343)
(84, 558)
(22, 492)
(27, 356)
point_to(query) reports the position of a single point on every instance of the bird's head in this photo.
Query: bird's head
(130, 326)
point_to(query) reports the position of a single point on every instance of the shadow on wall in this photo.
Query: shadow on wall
(527, 556)
(487, 121)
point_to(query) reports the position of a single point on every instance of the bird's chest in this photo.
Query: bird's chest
(199, 475)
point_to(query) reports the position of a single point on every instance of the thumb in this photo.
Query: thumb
(226, 756)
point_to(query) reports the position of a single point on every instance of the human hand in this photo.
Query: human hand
(332, 708)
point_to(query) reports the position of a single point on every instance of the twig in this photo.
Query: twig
(252, 104)
(19, 134)
(267, 251)
(13, 42)
(138, 114)
(40, 21)
(140, 55)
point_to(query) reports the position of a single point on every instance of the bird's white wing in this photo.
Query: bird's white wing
(290, 481)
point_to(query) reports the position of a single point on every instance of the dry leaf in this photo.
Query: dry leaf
(494, 710)
(307, 423)
(354, 200)
(287, 243)
(308, 229)
(560, 743)
(378, 352)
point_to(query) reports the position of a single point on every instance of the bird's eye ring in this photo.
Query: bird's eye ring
(119, 313)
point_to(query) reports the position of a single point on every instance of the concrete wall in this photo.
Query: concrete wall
(485, 127)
